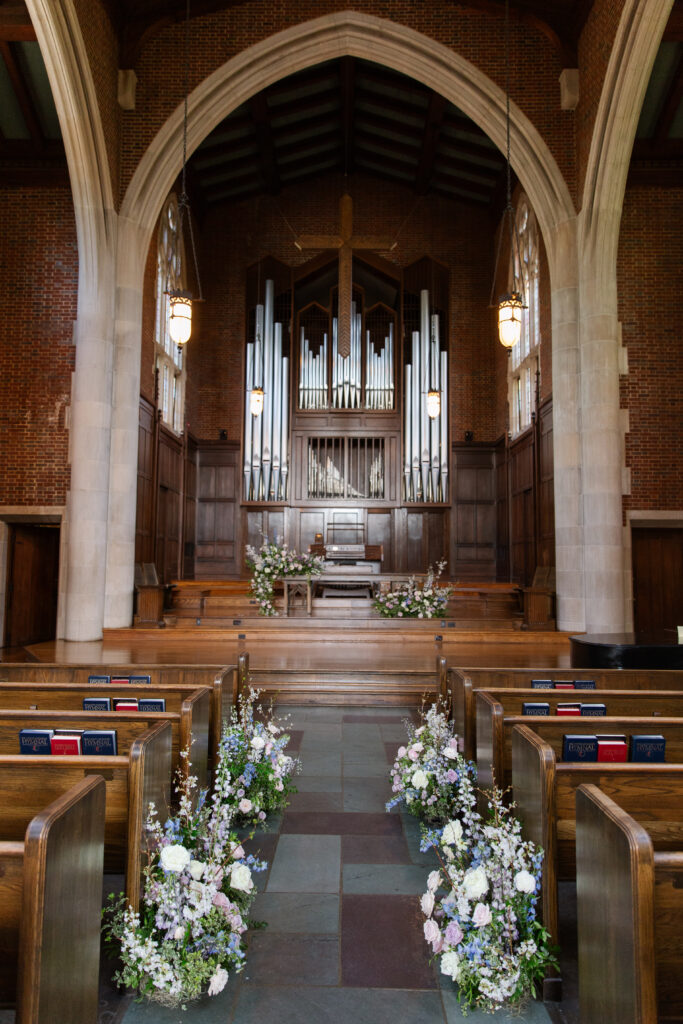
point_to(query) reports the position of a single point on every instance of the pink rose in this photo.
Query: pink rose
(453, 933)
(451, 776)
(221, 901)
(238, 853)
(401, 752)
(432, 931)
(481, 915)
(437, 945)
(413, 755)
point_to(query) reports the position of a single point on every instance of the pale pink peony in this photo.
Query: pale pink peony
(453, 934)
(481, 915)
(432, 932)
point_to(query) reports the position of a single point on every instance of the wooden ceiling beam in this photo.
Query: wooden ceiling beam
(430, 141)
(260, 113)
(23, 98)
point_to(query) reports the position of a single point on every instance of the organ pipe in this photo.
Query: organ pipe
(425, 440)
(266, 437)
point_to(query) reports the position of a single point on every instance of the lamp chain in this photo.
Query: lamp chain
(183, 201)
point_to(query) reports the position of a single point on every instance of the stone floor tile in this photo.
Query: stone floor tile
(299, 1005)
(402, 879)
(366, 794)
(278, 959)
(306, 863)
(380, 718)
(312, 913)
(316, 802)
(318, 783)
(374, 850)
(382, 943)
(365, 769)
(348, 823)
(321, 764)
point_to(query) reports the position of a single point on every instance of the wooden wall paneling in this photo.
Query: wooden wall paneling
(144, 518)
(218, 548)
(190, 501)
(32, 584)
(473, 547)
(657, 575)
(546, 485)
(521, 456)
(169, 492)
(380, 531)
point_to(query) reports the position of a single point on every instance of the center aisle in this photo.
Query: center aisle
(344, 940)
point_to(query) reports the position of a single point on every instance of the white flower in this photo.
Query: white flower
(244, 805)
(418, 747)
(258, 742)
(419, 779)
(524, 882)
(196, 869)
(481, 915)
(427, 903)
(433, 880)
(240, 878)
(178, 933)
(418, 732)
(450, 965)
(218, 981)
(174, 858)
(452, 833)
(475, 883)
(272, 727)
(450, 752)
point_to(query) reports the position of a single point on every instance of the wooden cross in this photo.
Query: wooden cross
(346, 242)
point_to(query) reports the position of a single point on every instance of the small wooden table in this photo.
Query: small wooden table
(302, 586)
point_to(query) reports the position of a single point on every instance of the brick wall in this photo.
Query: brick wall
(649, 279)
(235, 236)
(38, 281)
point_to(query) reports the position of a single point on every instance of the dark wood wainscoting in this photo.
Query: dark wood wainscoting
(657, 576)
(218, 533)
(32, 584)
(473, 538)
(531, 505)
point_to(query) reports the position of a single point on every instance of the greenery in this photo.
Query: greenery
(416, 600)
(271, 562)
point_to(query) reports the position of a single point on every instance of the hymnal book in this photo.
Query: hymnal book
(568, 710)
(648, 748)
(542, 684)
(120, 680)
(68, 732)
(584, 684)
(98, 742)
(564, 685)
(35, 741)
(141, 680)
(96, 704)
(532, 707)
(152, 704)
(612, 750)
(125, 704)
(98, 680)
(579, 748)
(616, 736)
(593, 710)
(66, 743)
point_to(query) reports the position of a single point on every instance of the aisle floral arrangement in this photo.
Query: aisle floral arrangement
(254, 743)
(480, 911)
(198, 882)
(429, 776)
(272, 561)
(416, 600)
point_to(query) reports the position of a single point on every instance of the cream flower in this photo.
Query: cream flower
(258, 742)
(475, 883)
(219, 980)
(525, 882)
(450, 965)
(419, 779)
(452, 833)
(174, 858)
(427, 903)
(433, 880)
(197, 869)
(240, 878)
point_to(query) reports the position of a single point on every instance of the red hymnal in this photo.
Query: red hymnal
(566, 710)
(612, 750)
(126, 705)
(564, 686)
(65, 744)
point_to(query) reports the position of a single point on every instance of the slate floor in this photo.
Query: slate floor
(344, 938)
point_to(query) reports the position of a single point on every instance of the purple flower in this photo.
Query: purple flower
(453, 934)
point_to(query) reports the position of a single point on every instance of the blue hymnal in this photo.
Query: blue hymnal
(647, 748)
(576, 747)
(152, 704)
(542, 684)
(98, 680)
(593, 710)
(584, 684)
(96, 704)
(99, 742)
(35, 741)
(531, 707)
(142, 680)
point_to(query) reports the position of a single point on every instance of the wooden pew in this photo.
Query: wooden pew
(133, 781)
(51, 898)
(221, 680)
(41, 707)
(544, 791)
(463, 682)
(630, 909)
(498, 711)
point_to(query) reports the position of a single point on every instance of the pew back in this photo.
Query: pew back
(51, 893)
(463, 682)
(630, 905)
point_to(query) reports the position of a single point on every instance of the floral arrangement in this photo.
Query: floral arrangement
(253, 744)
(414, 600)
(480, 910)
(272, 561)
(198, 886)
(430, 776)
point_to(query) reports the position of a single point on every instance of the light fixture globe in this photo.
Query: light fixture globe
(256, 402)
(180, 320)
(510, 319)
(433, 404)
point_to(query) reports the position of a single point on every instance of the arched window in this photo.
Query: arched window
(524, 357)
(168, 356)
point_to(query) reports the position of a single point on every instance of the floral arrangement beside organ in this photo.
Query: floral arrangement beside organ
(480, 904)
(199, 882)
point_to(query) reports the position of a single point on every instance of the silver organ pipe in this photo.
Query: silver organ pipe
(266, 437)
(425, 440)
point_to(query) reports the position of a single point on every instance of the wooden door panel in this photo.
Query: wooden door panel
(33, 576)
(657, 576)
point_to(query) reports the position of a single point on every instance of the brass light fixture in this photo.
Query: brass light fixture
(510, 305)
(180, 301)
